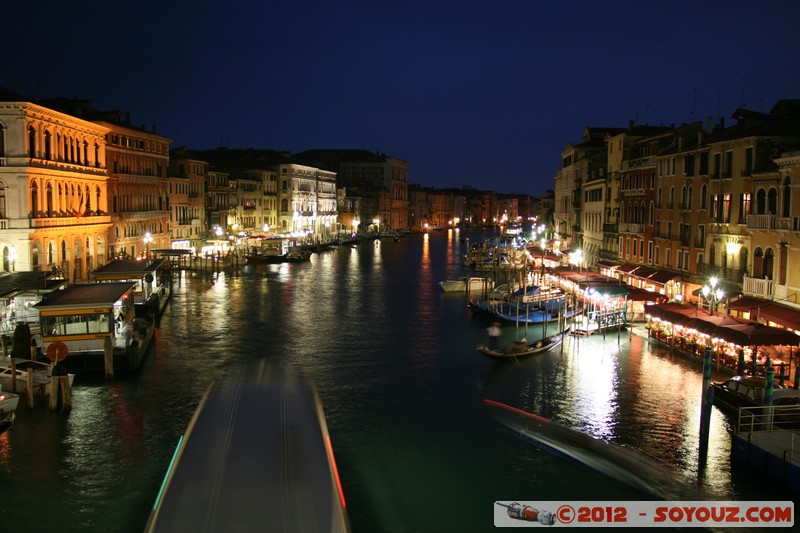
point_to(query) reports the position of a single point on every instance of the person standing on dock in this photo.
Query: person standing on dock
(494, 335)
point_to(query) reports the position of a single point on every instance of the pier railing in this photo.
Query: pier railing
(783, 418)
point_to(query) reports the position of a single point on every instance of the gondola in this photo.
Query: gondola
(522, 347)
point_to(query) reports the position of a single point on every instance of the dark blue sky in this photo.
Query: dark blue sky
(485, 94)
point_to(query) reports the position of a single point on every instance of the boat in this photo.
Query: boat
(460, 284)
(18, 373)
(94, 319)
(255, 456)
(748, 391)
(292, 256)
(522, 313)
(522, 347)
(153, 279)
(8, 405)
(623, 463)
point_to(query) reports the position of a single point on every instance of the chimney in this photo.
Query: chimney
(709, 124)
(631, 123)
(127, 117)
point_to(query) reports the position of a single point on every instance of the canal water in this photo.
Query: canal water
(394, 360)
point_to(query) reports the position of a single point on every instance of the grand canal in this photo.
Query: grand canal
(402, 385)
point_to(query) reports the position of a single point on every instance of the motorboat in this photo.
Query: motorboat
(255, 456)
(18, 372)
(748, 391)
(475, 284)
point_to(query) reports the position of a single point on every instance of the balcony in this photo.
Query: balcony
(759, 288)
(57, 222)
(637, 163)
(762, 222)
(609, 228)
(729, 274)
(628, 227)
(634, 193)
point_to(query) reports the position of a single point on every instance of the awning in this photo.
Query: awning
(663, 276)
(643, 272)
(785, 316)
(746, 303)
(627, 267)
(641, 295)
(725, 327)
(606, 264)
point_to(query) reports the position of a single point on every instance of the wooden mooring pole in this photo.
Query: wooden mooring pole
(108, 357)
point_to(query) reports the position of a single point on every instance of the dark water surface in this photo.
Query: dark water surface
(402, 385)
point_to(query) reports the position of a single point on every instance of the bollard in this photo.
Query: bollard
(29, 384)
(54, 381)
(768, 390)
(705, 403)
(769, 387)
(66, 393)
(108, 357)
(740, 363)
(14, 376)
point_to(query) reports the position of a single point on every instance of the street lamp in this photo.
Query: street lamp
(712, 294)
(147, 240)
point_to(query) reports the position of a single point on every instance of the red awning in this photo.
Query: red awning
(746, 303)
(663, 276)
(643, 272)
(641, 295)
(627, 268)
(785, 316)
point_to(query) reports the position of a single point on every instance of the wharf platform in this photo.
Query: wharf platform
(775, 454)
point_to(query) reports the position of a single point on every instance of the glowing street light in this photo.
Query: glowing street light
(147, 240)
(712, 294)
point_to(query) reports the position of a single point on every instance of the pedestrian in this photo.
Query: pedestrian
(494, 335)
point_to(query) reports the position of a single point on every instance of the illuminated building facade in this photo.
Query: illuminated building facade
(54, 212)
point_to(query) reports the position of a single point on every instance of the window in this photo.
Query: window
(728, 165)
(727, 207)
(744, 207)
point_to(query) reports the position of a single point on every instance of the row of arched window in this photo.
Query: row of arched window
(766, 203)
(62, 147)
(63, 199)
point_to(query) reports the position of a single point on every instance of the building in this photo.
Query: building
(187, 185)
(54, 211)
(371, 173)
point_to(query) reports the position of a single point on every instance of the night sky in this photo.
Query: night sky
(485, 94)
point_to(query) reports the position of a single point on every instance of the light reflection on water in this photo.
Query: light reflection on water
(394, 360)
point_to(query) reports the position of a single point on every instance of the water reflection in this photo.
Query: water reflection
(395, 362)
